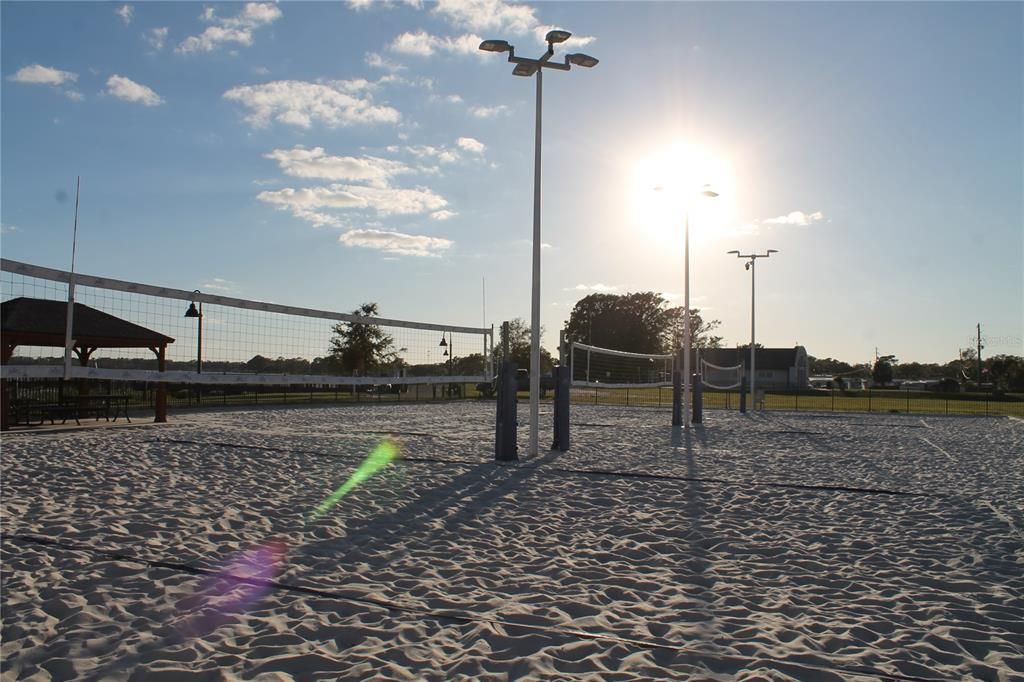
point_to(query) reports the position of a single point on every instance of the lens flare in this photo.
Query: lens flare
(246, 579)
(381, 456)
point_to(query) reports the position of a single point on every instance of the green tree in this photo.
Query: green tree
(362, 348)
(882, 372)
(827, 366)
(702, 336)
(636, 322)
(1006, 372)
(519, 347)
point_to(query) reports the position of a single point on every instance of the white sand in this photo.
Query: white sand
(748, 550)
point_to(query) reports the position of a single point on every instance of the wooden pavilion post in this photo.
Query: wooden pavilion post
(5, 400)
(161, 389)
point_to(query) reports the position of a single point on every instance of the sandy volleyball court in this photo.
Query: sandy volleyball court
(777, 546)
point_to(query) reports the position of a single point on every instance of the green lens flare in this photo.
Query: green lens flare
(381, 456)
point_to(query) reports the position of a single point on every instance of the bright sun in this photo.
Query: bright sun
(668, 183)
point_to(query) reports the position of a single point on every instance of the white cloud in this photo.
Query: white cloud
(396, 242)
(156, 37)
(426, 151)
(487, 15)
(488, 112)
(130, 91)
(300, 103)
(423, 44)
(218, 284)
(454, 99)
(42, 75)
(377, 61)
(8, 229)
(74, 95)
(443, 214)
(471, 145)
(126, 12)
(598, 288)
(309, 202)
(316, 163)
(237, 29)
(796, 218)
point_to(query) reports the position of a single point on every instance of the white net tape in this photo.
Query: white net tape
(710, 377)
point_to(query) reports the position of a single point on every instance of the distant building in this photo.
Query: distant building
(777, 368)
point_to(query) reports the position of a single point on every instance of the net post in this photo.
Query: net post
(743, 395)
(677, 394)
(507, 405)
(698, 398)
(563, 379)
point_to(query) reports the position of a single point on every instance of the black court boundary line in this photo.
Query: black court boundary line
(584, 472)
(446, 615)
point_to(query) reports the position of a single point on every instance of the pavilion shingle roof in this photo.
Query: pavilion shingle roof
(38, 322)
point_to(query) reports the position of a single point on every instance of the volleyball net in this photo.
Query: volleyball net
(595, 367)
(209, 338)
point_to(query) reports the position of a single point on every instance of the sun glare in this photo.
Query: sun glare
(670, 182)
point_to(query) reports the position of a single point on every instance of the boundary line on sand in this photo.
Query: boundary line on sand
(443, 615)
(582, 472)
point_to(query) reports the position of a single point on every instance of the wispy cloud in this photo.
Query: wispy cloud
(377, 61)
(130, 91)
(443, 214)
(236, 29)
(126, 12)
(396, 242)
(488, 112)
(316, 163)
(300, 103)
(423, 44)
(37, 74)
(796, 218)
(156, 37)
(309, 203)
(487, 15)
(8, 229)
(368, 4)
(597, 288)
(221, 285)
(471, 145)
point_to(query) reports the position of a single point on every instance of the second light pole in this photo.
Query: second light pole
(530, 67)
(750, 266)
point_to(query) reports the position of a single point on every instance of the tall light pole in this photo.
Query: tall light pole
(528, 67)
(192, 312)
(687, 332)
(752, 259)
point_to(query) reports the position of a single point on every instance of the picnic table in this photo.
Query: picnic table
(96, 405)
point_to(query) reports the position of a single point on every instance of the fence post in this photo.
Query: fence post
(627, 396)
(869, 400)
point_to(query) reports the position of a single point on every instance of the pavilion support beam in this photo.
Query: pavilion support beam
(6, 353)
(161, 389)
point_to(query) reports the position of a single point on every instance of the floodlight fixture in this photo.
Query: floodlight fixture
(580, 59)
(773, 250)
(443, 341)
(495, 46)
(557, 36)
(736, 252)
(524, 69)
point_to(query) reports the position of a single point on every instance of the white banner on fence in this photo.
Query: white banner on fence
(57, 372)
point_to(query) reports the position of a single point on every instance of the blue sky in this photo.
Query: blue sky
(329, 154)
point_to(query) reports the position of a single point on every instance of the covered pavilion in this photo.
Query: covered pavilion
(39, 322)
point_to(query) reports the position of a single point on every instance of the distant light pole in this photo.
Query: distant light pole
(529, 67)
(750, 266)
(192, 312)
